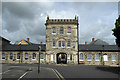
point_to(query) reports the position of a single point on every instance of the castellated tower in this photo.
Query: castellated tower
(62, 41)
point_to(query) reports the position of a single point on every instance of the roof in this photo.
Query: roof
(23, 47)
(28, 42)
(4, 39)
(98, 42)
(34, 47)
(98, 48)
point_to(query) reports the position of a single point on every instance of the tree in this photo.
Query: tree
(116, 31)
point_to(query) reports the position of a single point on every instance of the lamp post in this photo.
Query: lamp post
(39, 59)
(20, 53)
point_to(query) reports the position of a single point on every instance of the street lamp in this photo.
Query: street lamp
(39, 48)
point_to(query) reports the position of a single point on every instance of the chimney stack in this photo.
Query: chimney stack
(93, 39)
(28, 39)
(41, 42)
(85, 43)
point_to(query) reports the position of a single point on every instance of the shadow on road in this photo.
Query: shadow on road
(115, 70)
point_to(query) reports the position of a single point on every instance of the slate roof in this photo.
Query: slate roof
(98, 48)
(98, 42)
(23, 47)
(34, 47)
(4, 39)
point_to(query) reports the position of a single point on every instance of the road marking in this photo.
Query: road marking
(23, 75)
(61, 77)
(56, 74)
(5, 72)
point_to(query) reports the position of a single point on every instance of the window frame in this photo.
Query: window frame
(54, 44)
(70, 57)
(33, 56)
(96, 57)
(11, 56)
(69, 43)
(41, 56)
(61, 30)
(2, 56)
(17, 56)
(54, 30)
(68, 31)
(63, 44)
(26, 58)
(89, 57)
(113, 58)
(81, 57)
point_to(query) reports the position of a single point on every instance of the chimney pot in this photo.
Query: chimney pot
(28, 39)
(85, 43)
(40, 42)
(93, 39)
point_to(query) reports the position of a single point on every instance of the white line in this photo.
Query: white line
(23, 75)
(5, 72)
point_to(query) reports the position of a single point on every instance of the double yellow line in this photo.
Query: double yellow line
(60, 76)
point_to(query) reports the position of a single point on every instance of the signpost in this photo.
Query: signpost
(39, 59)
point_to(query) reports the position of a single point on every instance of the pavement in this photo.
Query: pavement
(57, 72)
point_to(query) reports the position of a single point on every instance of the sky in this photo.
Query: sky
(21, 20)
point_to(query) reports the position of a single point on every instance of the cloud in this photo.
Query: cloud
(26, 19)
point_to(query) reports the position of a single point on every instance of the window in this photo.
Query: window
(3, 55)
(89, 57)
(54, 43)
(26, 56)
(69, 30)
(41, 56)
(53, 30)
(105, 57)
(97, 57)
(18, 55)
(11, 55)
(68, 44)
(59, 43)
(70, 56)
(51, 57)
(61, 30)
(113, 57)
(63, 43)
(33, 56)
(81, 57)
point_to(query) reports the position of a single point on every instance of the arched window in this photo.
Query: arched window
(26, 56)
(89, 57)
(61, 43)
(97, 57)
(18, 55)
(3, 55)
(105, 57)
(11, 56)
(81, 57)
(33, 56)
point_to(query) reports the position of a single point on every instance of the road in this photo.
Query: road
(59, 72)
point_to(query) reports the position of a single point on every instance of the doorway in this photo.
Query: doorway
(61, 58)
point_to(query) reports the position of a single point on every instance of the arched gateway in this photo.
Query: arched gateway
(61, 58)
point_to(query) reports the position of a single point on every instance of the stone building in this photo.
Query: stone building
(62, 40)
(61, 47)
